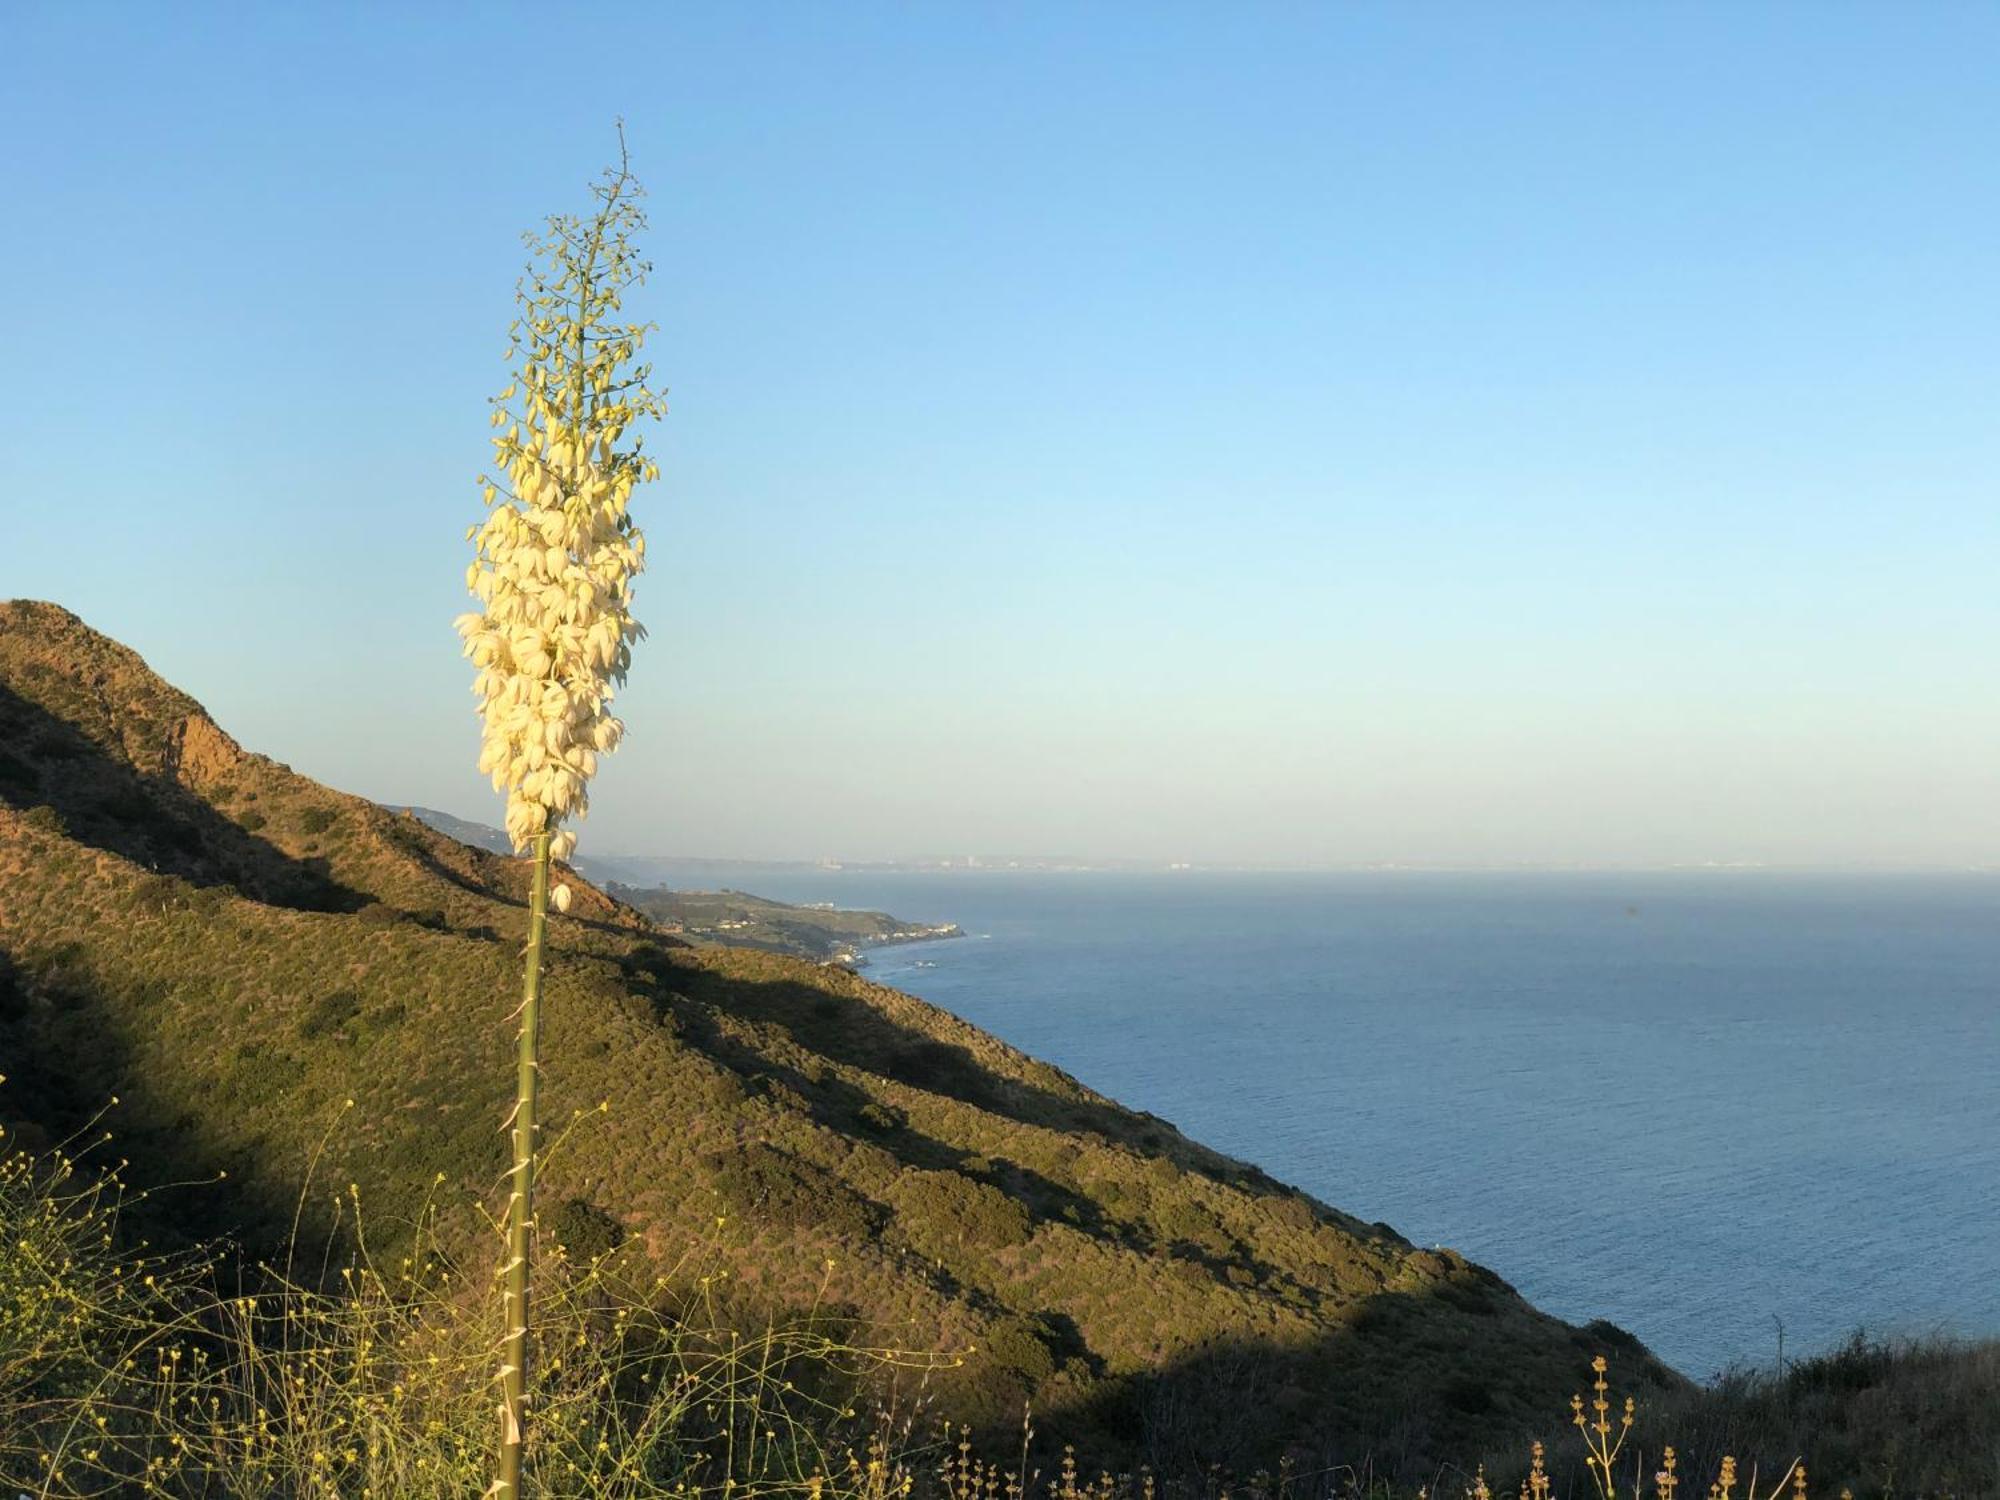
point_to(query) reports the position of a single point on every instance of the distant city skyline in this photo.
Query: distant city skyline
(1556, 435)
(642, 866)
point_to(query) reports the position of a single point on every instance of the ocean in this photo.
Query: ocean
(1717, 1108)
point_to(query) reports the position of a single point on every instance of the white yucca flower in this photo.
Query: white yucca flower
(559, 549)
(555, 637)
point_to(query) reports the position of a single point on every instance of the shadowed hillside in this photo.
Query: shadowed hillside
(237, 952)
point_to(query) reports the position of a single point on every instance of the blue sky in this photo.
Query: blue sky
(1309, 434)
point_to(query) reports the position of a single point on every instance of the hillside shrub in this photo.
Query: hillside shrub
(212, 900)
(1293, 1211)
(765, 1185)
(329, 1013)
(784, 1096)
(161, 893)
(880, 1118)
(45, 819)
(942, 1068)
(1021, 1346)
(724, 1091)
(584, 1231)
(1181, 1222)
(966, 1210)
(1119, 1198)
(261, 1074)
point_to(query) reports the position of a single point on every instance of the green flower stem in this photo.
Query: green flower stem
(520, 1198)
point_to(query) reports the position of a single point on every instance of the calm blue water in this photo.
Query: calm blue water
(1689, 1103)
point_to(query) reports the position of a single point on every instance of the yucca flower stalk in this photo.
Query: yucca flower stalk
(555, 561)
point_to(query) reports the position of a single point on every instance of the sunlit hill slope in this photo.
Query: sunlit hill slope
(236, 951)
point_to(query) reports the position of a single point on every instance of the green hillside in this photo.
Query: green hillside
(733, 918)
(236, 952)
(738, 919)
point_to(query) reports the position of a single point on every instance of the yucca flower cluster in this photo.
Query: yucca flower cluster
(556, 562)
(558, 551)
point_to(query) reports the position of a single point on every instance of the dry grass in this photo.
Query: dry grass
(127, 1372)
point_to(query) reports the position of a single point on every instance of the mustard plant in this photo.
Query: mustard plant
(1602, 1443)
(129, 1373)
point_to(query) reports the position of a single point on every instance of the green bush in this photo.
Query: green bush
(1021, 1346)
(784, 1096)
(880, 1118)
(725, 1091)
(161, 893)
(1179, 1221)
(765, 1185)
(329, 1014)
(45, 819)
(973, 1212)
(583, 1230)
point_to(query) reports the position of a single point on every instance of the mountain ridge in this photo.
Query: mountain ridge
(240, 952)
